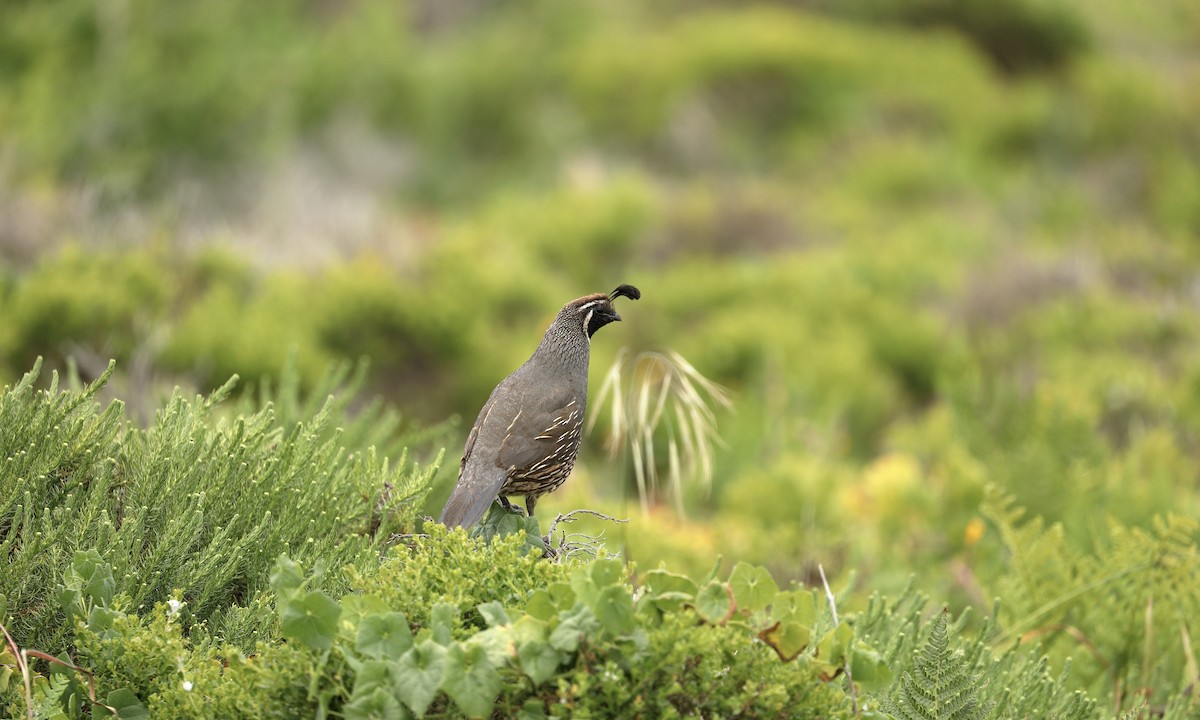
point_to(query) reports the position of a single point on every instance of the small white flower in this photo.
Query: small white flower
(187, 685)
(173, 607)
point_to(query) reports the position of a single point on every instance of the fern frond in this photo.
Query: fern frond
(1117, 609)
(940, 685)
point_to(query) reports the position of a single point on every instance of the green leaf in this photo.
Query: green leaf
(528, 628)
(286, 577)
(606, 571)
(470, 680)
(532, 710)
(127, 705)
(795, 606)
(661, 582)
(71, 602)
(88, 578)
(493, 613)
(614, 610)
(374, 696)
(356, 607)
(539, 660)
(377, 705)
(98, 583)
(868, 668)
(374, 675)
(647, 611)
(714, 602)
(541, 605)
(787, 639)
(753, 587)
(100, 621)
(386, 635)
(311, 618)
(670, 600)
(441, 622)
(418, 675)
(939, 683)
(497, 642)
(499, 522)
(833, 646)
(583, 586)
(563, 595)
(577, 624)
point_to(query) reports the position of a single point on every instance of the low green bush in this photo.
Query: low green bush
(195, 502)
(165, 614)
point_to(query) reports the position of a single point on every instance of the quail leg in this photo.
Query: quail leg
(508, 506)
(530, 501)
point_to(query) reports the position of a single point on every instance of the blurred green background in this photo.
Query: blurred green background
(929, 246)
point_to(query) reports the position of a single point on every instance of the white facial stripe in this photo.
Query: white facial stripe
(587, 319)
(588, 305)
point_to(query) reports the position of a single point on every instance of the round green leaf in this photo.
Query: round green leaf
(661, 582)
(714, 602)
(614, 610)
(355, 607)
(377, 705)
(311, 618)
(500, 522)
(563, 595)
(796, 606)
(94, 576)
(286, 577)
(541, 605)
(832, 648)
(539, 660)
(493, 613)
(374, 675)
(127, 705)
(580, 622)
(385, 635)
(470, 680)
(753, 587)
(607, 571)
(869, 668)
(787, 639)
(418, 675)
(441, 622)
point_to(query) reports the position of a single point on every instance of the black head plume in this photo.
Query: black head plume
(628, 291)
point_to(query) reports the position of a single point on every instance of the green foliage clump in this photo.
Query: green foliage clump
(705, 670)
(1018, 36)
(553, 640)
(1122, 612)
(946, 670)
(443, 568)
(918, 276)
(69, 303)
(567, 641)
(193, 502)
(938, 687)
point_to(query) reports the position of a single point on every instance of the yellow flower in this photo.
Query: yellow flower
(973, 532)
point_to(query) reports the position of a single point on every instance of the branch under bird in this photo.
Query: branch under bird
(527, 435)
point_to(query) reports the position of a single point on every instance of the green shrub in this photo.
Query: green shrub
(108, 304)
(944, 675)
(455, 571)
(1019, 36)
(189, 503)
(1129, 601)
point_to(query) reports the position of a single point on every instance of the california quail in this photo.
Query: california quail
(526, 437)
